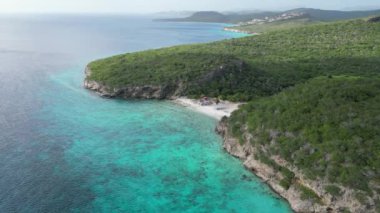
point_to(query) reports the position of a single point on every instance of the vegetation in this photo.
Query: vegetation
(334, 15)
(288, 175)
(308, 194)
(315, 15)
(333, 190)
(255, 66)
(329, 127)
(309, 16)
(314, 90)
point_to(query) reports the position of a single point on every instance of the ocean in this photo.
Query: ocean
(64, 149)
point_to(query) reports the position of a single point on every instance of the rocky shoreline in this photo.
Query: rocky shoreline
(143, 92)
(246, 153)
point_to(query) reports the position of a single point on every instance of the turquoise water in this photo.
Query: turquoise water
(64, 149)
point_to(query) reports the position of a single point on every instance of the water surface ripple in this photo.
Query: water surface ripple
(64, 149)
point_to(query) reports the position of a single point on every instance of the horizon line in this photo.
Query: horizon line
(168, 11)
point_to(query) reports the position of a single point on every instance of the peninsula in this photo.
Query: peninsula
(263, 21)
(246, 17)
(311, 125)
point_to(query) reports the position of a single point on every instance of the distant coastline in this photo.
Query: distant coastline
(239, 31)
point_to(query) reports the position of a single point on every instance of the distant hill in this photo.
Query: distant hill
(212, 16)
(234, 18)
(297, 17)
(333, 15)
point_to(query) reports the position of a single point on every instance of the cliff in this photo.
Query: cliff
(195, 85)
(142, 91)
(295, 193)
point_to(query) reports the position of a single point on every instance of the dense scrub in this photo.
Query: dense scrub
(329, 127)
(257, 65)
(313, 91)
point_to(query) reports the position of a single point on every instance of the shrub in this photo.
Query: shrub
(333, 190)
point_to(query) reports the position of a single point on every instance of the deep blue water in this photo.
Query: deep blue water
(64, 149)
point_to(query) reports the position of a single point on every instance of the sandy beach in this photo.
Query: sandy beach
(218, 111)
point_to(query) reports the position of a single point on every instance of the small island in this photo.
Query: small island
(310, 127)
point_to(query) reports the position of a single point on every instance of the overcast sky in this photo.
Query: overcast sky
(149, 6)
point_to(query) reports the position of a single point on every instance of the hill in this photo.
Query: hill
(325, 132)
(212, 16)
(235, 18)
(245, 68)
(311, 126)
(296, 18)
(335, 15)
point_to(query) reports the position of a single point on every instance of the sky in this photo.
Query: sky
(152, 6)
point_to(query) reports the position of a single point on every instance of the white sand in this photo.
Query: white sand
(218, 111)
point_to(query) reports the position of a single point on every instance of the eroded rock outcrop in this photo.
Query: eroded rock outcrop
(328, 203)
(141, 92)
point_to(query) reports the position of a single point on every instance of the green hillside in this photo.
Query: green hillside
(313, 97)
(329, 127)
(245, 68)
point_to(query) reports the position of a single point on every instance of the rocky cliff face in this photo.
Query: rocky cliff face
(246, 153)
(141, 92)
